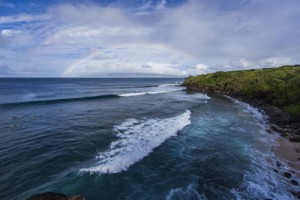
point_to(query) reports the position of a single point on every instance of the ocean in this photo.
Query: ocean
(138, 138)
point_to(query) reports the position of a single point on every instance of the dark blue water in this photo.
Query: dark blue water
(132, 139)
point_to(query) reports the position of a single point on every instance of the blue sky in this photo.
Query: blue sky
(145, 37)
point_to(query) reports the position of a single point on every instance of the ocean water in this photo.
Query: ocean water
(133, 139)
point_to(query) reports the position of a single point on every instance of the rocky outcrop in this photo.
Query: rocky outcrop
(286, 124)
(54, 196)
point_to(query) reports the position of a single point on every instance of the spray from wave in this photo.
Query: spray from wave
(136, 140)
(169, 84)
(144, 93)
(164, 88)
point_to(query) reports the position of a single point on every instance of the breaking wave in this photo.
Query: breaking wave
(136, 140)
(144, 93)
(61, 100)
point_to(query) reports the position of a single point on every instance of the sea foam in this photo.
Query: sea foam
(254, 183)
(169, 84)
(136, 140)
(150, 92)
(185, 193)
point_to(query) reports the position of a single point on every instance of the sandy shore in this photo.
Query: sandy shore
(289, 151)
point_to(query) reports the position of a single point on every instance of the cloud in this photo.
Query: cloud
(22, 18)
(138, 58)
(7, 36)
(161, 5)
(156, 38)
(9, 33)
(5, 70)
(7, 5)
(197, 69)
(3, 57)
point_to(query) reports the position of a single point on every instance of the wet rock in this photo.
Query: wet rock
(269, 130)
(76, 197)
(294, 138)
(296, 194)
(294, 182)
(287, 174)
(54, 196)
(278, 164)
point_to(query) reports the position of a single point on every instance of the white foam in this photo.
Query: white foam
(255, 183)
(132, 94)
(169, 84)
(188, 193)
(262, 120)
(197, 97)
(150, 92)
(250, 109)
(136, 140)
(29, 96)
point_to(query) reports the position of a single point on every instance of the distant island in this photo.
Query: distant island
(274, 90)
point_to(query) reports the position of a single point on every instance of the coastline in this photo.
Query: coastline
(275, 91)
(287, 125)
(290, 152)
(288, 148)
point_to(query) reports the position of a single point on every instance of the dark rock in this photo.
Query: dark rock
(76, 197)
(54, 196)
(286, 124)
(294, 182)
(278, 164)
(269, 131)
(287, 174)
(296, 194)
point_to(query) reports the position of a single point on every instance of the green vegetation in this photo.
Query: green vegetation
(275, 86)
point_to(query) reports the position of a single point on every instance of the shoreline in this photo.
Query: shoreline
(290, 152)
(288, 148)
(287, 125)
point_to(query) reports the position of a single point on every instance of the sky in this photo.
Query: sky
(145, 38)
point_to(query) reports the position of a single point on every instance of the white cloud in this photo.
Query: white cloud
(7, 5)
(141, 58)
(22, 18)
(197, 69)
(9, 32)
(161, 5)
(193, 38)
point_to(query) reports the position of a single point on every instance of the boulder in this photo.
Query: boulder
(287, 174)
(54, 196)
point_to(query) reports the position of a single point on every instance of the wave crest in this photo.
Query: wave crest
(150, 92)
(61, 100)
(136, 140)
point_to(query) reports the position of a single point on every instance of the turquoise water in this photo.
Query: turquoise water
(132, 139)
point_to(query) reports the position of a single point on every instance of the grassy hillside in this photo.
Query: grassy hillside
(275, 86)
